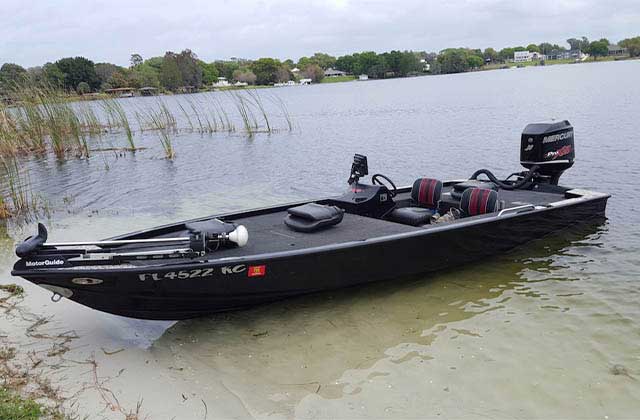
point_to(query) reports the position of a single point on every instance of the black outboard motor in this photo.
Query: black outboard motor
(546, 150)
(549, 147)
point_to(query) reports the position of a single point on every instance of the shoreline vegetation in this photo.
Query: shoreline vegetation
(184, 72)
(28, 371)
(44, 121)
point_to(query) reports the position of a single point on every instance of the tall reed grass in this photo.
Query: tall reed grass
(41, 120)
(17, 197)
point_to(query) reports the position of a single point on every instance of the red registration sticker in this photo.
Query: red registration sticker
(257, 270)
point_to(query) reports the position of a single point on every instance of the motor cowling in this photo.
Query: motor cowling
(549, 146)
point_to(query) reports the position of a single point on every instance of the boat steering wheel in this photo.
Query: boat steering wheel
(376, 179)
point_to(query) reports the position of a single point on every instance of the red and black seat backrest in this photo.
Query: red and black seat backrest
(426, 192)
(477, 201)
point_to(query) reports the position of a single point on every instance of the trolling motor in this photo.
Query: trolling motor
(546, 150)
(203, 236)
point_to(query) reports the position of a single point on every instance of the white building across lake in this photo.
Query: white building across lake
(521, 56)
(333, 73)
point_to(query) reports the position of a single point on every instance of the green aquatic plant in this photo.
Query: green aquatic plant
(117, 118)
(41, 119)
(244, 108)
(16, 196)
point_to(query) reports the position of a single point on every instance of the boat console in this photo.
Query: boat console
(363, 199)
(547, 150)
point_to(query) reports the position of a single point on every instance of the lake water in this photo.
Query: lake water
(549, 330)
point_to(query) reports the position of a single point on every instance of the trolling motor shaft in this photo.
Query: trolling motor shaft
(198, 242)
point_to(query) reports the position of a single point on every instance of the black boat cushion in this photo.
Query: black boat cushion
(459, 188)
(414, 216)
(477, 201)
(312, 217)
(426, 192)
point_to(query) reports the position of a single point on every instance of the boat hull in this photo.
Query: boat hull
(173, 292)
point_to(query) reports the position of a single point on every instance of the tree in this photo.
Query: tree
(76, 70)
(598, 49)
(584, 44)
(145, 75)
(474, 61)
(314, 72)
(533, 48)
(136, 60)
(226, 68)
(209, 72)
(631, 44)
(323, 60)
(283, 74)
(118, 79)
(104, 71)
(154, 62)
(398, 62)
(83, 87)
(546, 48)
(574, 43)
(53, 75)
(170, 76)
(244, 75)
(365, 61)
(190, 71)
(347, 63)
(12, 75)
(581, 44)
(453, 60)
(506, 54)
(265, 70)
(490, 55)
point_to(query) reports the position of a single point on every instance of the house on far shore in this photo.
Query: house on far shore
(363, 77)
(521, 56)
(295, 70)
(333, 73)
(617, 50)
(124, 92)
(566, 55)
(305, 81)
(222, 82)
(148, 91)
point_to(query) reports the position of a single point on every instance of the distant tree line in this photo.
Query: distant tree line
(175, 71)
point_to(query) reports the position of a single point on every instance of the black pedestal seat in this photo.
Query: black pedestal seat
(476, 201)
(425, 196)
(460, 187)
(312, 217)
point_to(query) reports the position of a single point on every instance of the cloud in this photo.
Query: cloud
(34, 32)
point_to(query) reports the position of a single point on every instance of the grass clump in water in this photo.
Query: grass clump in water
(16, 197)
(13, 290)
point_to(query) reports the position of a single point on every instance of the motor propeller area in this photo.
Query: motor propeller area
(200, 242)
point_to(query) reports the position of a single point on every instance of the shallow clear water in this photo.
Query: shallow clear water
(539, 332)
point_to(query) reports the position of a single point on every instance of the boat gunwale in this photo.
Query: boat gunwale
(581, 196)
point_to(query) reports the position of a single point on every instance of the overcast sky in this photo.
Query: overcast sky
(34, 32)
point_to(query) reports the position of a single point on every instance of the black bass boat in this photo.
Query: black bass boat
(370, 233)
